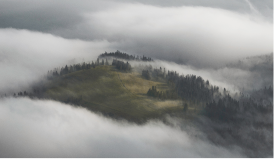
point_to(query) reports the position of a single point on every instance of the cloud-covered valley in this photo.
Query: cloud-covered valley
(44, 128)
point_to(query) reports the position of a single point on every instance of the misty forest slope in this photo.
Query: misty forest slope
(109, 91)
(138, 94)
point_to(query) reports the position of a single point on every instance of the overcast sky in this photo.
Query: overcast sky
(200, 33)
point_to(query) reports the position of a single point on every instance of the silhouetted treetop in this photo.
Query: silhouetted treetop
(125, 56)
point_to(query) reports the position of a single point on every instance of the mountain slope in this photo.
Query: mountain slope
(114, 93)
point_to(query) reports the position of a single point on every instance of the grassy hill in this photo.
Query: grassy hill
(111, 92)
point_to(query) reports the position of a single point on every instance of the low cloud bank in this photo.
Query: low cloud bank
(202, 34)
(44, 128)
(199, 36)
(23, 61)
(26, 56)
(243, 75)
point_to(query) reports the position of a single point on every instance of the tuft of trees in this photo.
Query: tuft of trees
(192, 88)
(159, 73)
(228, 109)
(224, 109)
(163, 95)
(146, 74)
(125, 56)
(121, 65)
(188, 88)
(76, 67)
(150, 73)
(22, 93)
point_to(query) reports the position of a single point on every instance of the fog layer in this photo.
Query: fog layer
(37, 128)
(26, 56)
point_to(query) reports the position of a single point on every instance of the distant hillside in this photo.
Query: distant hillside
(259, 70)
(255, 63)
(118, 90)
(110, 91)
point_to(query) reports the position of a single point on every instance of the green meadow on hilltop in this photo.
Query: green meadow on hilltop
(112, 92)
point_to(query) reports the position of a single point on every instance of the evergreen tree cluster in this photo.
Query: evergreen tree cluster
(121, 65)
(21, 94)
(36, 92)
(76, 67)
(125, 56)
(259, 100)
(227, 108)
(168, 94)
(254, 106)
(263, 94)
(146, 74)
(159, 73)
(188, 88)
(224, 109)
(150, 73)
(69, 69)
(192, 88)
(146, 58)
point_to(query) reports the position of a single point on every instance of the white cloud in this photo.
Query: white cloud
(255, 75)
(36, 128)
(26, 56)
(200, 36)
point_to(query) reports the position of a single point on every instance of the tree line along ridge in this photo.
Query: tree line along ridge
(217, 104)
